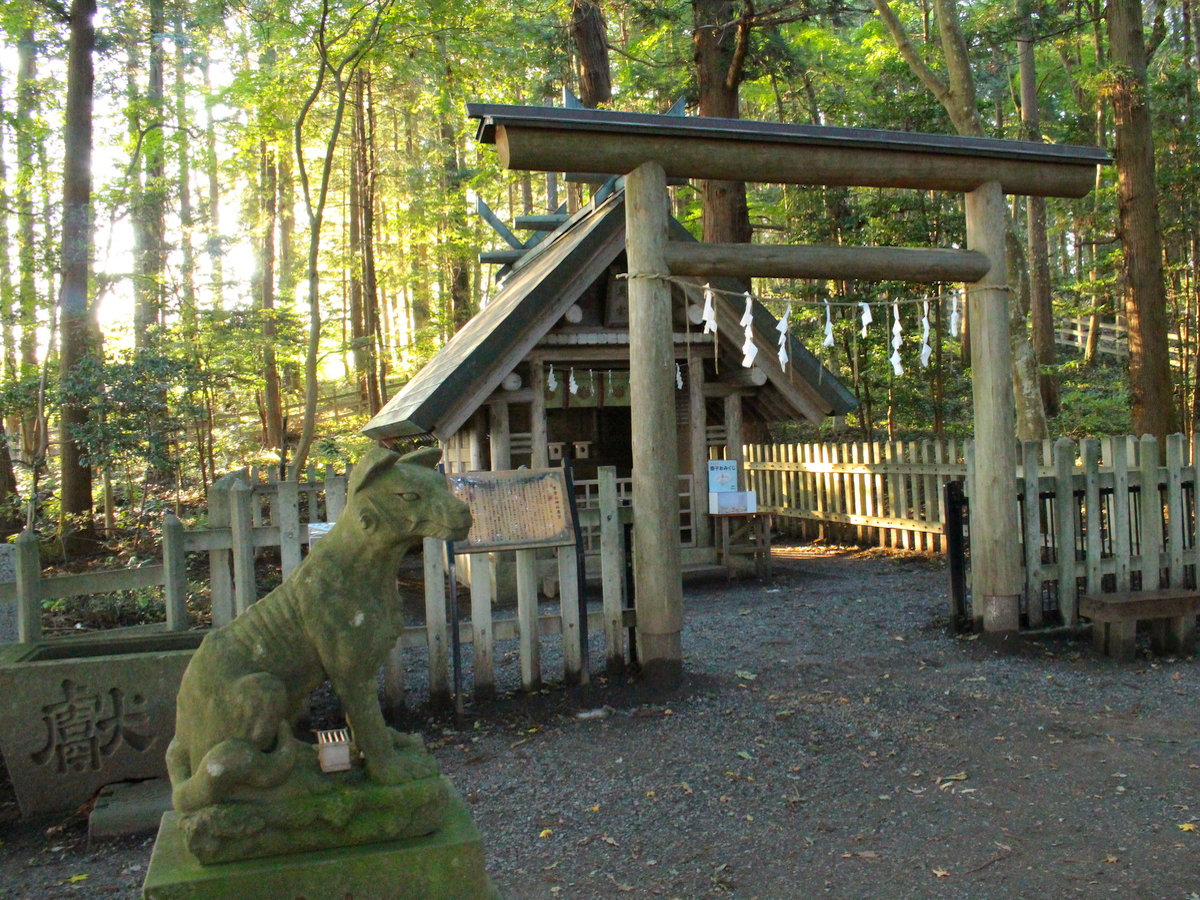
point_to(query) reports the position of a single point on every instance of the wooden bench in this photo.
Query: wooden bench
(1171, 611)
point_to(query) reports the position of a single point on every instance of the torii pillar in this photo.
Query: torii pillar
(995, 560)
(657, 558)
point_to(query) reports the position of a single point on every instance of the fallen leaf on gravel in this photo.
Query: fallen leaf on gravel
(685, 787)
(941, 873)
(610, 841)
(595, 808)
(546, 832)
(945, 781)
(75, 879)
(1187, 826)
(745, 675)
(1111, 859)
(744, 755)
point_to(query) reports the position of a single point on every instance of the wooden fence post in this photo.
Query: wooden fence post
(1120, 523)
(286, 511)
(241, 527)
(1032, 533)
(1065, 539)
(574, 670)
(482, 585)
(612, 570)
(220, 572)
(528, 627)
(174, 574)
(1151, 513)
(29, 578)
(1176, 453)
(335, 496)
(436, 622)
(1089, 451)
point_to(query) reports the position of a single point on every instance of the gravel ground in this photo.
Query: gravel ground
(830, 739)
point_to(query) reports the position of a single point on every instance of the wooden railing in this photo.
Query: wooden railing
(881, 493)
(248, 514)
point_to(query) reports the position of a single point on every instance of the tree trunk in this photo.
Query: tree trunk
(1041, 302)
(187, 215)
(1137, 199)
(591, 46)
(213, 217)
(27, 293)
(78, 339)
(719, 44)
(273, 436)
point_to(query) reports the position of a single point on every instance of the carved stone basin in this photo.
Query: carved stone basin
(81, 712)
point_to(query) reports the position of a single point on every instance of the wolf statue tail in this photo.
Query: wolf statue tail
(227, 768)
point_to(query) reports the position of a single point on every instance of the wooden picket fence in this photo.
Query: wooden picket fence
(250, 511)
(1103, 515)
(887, 494)
(1097, 515)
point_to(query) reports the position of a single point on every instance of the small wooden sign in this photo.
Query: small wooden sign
(515, 510)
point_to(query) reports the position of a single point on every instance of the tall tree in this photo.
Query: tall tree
(340, 70)
(79, 345)
(1143, 288)
(1041, 305)
(590, 35)
(721, 40)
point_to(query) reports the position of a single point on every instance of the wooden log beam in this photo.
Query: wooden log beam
(545, 148)
(501, 257)
(750, 378)
(869, 263)
(547, 222)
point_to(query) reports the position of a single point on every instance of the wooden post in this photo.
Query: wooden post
(174, 573)
(612, 569)
(1033, 530)
(540, 453)
(1089, 452)
(500, 436)
(1151, 513)
(1065, 540)
(575, 669)
(29, 581)
(734, 437)
(995, 566)
(287, 517)
(220, 572)
(335, 496)
(475, 435)
(481, 626)
(657, 557)
(242, 529)
(528, 625)
(698, 438)
(435, 622)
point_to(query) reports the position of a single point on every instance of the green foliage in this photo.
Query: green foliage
(139, 405)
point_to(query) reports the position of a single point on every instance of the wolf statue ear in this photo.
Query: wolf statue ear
(372, 463)
(424, 456)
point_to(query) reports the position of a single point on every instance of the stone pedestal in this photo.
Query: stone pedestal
(446, 865)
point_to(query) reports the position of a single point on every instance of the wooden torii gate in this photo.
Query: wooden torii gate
(648, 149)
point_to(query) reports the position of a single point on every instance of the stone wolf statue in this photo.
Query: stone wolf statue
(336, 617)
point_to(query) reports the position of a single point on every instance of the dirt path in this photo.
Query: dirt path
(831, 740)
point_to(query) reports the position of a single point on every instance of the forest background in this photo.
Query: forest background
(218, 216)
